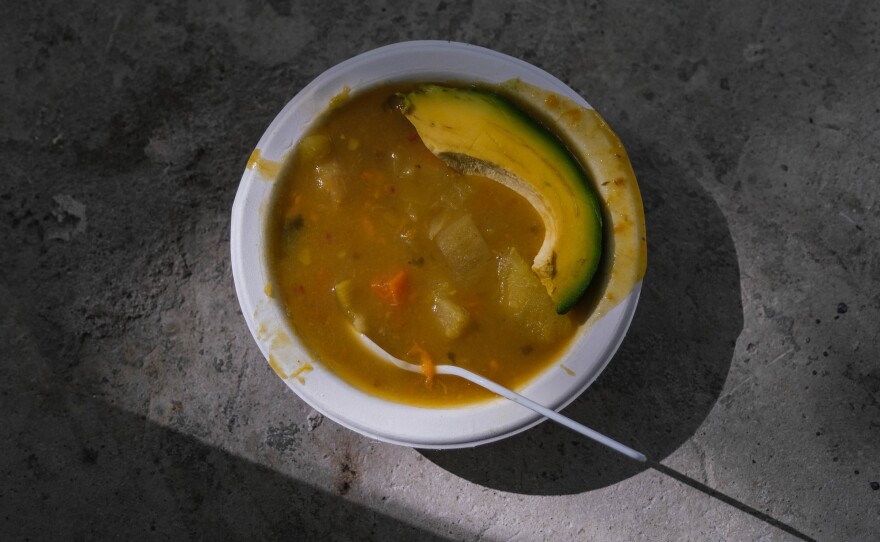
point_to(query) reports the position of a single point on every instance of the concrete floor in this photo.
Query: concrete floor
(135, 404)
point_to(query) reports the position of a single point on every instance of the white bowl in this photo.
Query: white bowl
(387, 421)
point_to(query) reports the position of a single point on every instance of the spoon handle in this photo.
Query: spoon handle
(541, 409)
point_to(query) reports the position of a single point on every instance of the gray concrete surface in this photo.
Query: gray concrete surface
(135, 405)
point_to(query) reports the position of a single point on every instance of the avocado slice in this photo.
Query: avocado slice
(479, 132)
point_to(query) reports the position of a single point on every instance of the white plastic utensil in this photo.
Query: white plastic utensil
(506, 393)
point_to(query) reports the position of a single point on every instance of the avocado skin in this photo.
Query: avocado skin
(477, 131)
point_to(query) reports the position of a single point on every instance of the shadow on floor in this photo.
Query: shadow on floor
(86, 470)
(669, 371)
(74, 467)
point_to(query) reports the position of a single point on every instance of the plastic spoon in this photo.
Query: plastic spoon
(506, 393)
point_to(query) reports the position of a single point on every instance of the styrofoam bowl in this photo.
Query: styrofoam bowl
(458, 427)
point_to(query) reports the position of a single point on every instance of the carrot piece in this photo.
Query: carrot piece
(429, 369)
(372, 175)
(392, 291)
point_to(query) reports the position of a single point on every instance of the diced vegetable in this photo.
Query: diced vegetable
(457, 196)
(453, 318)
(372, 175)
(463, 246)
(429, 369)
(393, 290)
(437, 223)
(526, 299)
(314, 147)
(330, 179)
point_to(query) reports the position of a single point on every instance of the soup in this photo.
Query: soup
(368, 231)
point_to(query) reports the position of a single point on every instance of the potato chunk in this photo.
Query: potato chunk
(463, 247)
(526, 300)
(453, 318)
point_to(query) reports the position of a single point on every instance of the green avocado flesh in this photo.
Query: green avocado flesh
(478, 132)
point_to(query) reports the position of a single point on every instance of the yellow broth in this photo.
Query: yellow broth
(367, 229)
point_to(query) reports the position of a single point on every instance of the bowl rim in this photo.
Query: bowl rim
(421, 427)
